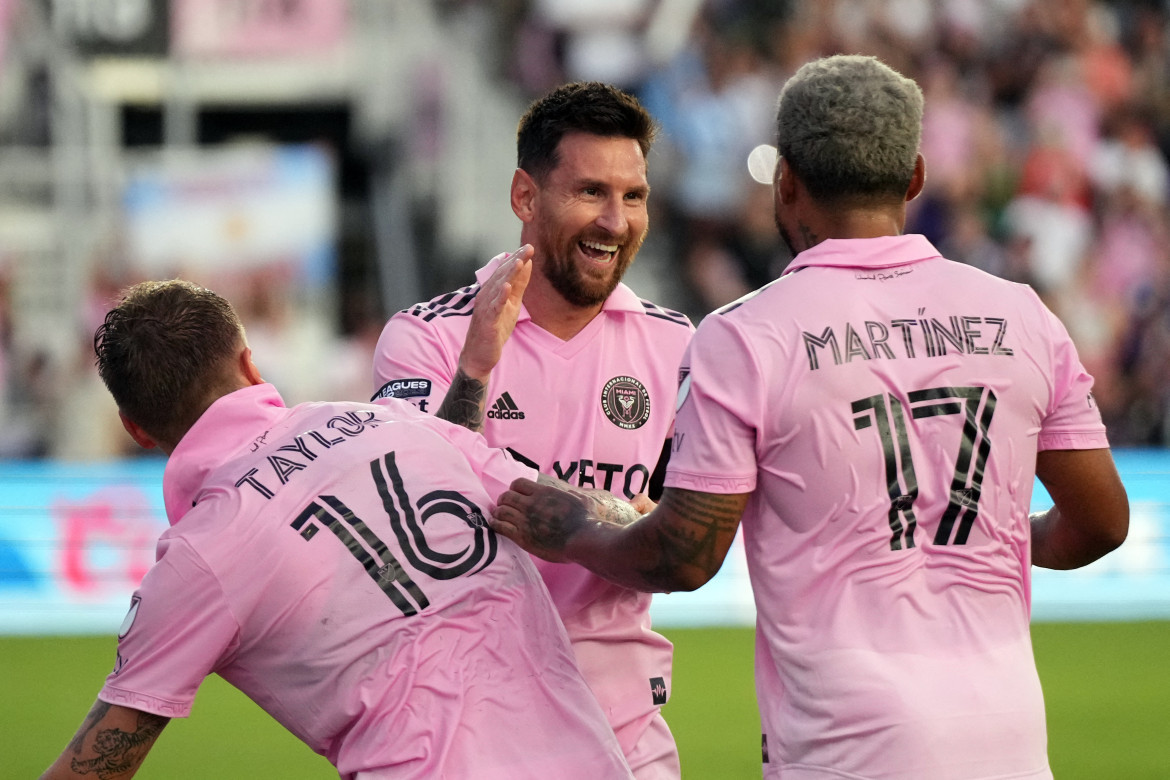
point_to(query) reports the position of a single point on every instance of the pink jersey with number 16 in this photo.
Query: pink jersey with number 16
(595, 411)
(886, 406)
(333, 562)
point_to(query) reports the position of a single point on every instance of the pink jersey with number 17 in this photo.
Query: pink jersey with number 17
(333, 562)
(886, 406)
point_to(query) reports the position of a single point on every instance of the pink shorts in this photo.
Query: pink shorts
(649, 748)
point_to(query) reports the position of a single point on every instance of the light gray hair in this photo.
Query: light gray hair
(849, 127)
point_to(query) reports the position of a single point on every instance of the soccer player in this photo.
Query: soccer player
(333, 562)
(585, 386)
(876, 416)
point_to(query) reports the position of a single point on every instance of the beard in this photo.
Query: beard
(573, 282)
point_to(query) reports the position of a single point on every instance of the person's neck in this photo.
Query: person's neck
(853, 223)
(550, 311)
(870, 223)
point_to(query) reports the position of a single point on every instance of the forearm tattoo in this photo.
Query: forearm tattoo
(703, 528)
(464, 402)
(119, 753)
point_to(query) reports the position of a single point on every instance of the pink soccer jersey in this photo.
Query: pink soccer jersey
(886, 406)
(333, 562)
(595, 411)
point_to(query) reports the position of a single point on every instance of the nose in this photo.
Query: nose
(613, 217)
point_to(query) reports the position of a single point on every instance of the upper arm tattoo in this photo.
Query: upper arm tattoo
(464, 402)
(116, 753)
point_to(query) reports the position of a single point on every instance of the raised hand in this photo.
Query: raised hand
(497, 307)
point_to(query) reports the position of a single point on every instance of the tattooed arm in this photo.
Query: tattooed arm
(465, 401)
(110, 745)
(497, 307)
(678, 546)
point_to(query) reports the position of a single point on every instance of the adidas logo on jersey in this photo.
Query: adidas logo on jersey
(505, 409)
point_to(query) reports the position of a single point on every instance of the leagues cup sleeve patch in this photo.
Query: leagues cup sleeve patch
(404, 388)
(625, 402)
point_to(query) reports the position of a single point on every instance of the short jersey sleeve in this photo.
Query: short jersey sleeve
(413, 362)
(1072, 420)
(495, 468)
(179, 629)
(717, 420)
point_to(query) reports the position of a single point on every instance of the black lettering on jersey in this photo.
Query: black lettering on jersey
(953, 336)
(827, 339)
(327, 443)
(634, 472)
(615, 477)
(879, 334)
(853, 345)
(298, 446)
(608, 469)
(352, 423)
(970, 334)
(997, 347)
(567, 473)
(907, 335)
(923, 337)
(284, 467)
(931, 349)
(249, 478)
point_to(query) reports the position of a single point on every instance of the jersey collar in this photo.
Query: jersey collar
(882, 252)
(621, 299)
(230, 424)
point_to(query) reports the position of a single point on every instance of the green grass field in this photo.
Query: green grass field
(1107, 687)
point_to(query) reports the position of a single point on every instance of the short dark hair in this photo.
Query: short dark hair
(165, 352)
(849, 126)
(586, 107)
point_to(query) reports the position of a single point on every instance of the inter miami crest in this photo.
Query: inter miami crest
(625, 402)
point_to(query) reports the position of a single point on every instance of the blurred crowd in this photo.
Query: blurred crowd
(1046, 136)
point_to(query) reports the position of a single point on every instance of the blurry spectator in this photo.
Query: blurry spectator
(32, 408)
(1145, 366)
(714, 101)
(568, 40)
(1127, 158)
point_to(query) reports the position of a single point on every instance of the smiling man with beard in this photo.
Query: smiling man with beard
(552, 357)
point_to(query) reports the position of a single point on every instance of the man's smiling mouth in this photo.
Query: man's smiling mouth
(598, 252)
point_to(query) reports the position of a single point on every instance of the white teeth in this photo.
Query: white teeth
(601, 247)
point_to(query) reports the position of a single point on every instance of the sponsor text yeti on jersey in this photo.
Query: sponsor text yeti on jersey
(583, 472)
